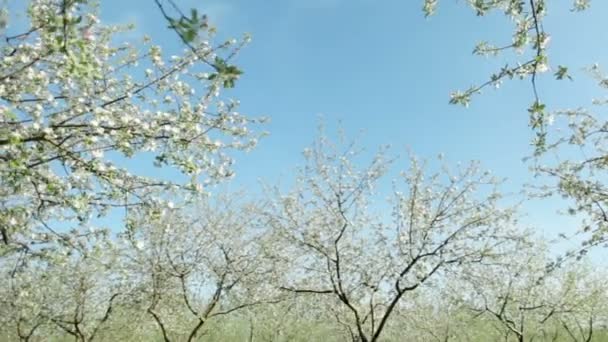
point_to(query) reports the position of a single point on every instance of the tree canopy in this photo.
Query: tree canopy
(95, 248)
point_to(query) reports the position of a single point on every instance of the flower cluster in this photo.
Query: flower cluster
(75, 106)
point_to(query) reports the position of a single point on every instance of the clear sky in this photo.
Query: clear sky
(381, 67)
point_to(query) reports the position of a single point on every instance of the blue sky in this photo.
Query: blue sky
(381, 67)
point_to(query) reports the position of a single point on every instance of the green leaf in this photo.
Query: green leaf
(189, 36)
(562, 72)
(537, 107)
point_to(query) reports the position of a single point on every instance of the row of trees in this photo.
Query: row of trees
(439, 258)
(448, 264)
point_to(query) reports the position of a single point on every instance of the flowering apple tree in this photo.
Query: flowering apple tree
(71, 293)
(361, 264)
(527, 300)
(200, 264)
(75, 105)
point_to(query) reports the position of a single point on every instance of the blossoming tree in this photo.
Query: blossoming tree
(74, 104)
(361, 264)
(200, 264)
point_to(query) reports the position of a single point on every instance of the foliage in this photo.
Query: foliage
(209, 259)
(441, 258)
(576, 136)
(528, 53)
(74, 104)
